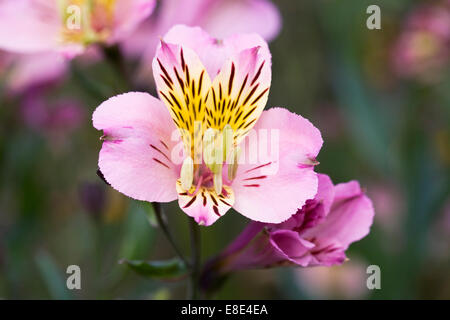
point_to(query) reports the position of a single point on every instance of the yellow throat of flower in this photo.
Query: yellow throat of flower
(216, 149)
(86, 21)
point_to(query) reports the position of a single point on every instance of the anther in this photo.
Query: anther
(218, 182)
(233, 162)
(187, 173)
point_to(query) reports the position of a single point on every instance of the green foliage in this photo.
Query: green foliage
(164, 270)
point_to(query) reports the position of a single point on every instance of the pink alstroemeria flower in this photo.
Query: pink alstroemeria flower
(317, 235)
(214, 16)
(211, 89)
(422, 49)
(68, 26)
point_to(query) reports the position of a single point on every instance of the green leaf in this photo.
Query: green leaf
(52, 276)
(150, 213)
(138, 235)
(166, 270)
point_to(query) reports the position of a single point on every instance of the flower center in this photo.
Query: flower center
(86, 21)
(425, 45)
(217, 153)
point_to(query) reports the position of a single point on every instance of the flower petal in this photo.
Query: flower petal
(314, 210)
(128, 15)
(272, 187)
(325, 192)
(136, 152)
(205, 206)
(292, 246)
(29, 26)
(350, 218)
(259, 16)
(212, 52)
(239, 92)
(183, 85)
(30, 70)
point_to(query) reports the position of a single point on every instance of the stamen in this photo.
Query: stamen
(208, 146)
(227, 140)
(197, 187)
(233, 162)
(218, 182)
(187, 173)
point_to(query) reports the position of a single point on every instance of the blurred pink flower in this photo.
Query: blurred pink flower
(317, 235)
(422, 49)
(67, 26)
(62, 116)
(194, 74)
(439, 237)
(347, 281)
(220, 18)
(389, 202)
(27, 71)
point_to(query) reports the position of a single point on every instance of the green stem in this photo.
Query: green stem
(195, 258)
(94, 88)
(114, 56)
(165, 229)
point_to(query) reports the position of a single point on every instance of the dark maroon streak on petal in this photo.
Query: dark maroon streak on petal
(258, 73)
(160, 152)
(165, 145)
(225, 202)
(261, 166)
(256, 178)
(190, 202)
(204, 199)
(161, 163)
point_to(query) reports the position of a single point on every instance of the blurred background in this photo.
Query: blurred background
(381, 99)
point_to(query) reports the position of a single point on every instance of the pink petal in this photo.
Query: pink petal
(291, 246)
(248, 16)
(230, 17)
(350, 218)
(242, 89)
(182, 84)
(213, 53)
(314, 211)
(128, 15)
(276, 185)
(325, 192)
(135, 156)
(205, 206)
(328, 253)
(29, 26)
(346, 190)
(35, 69)
(144, 41)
